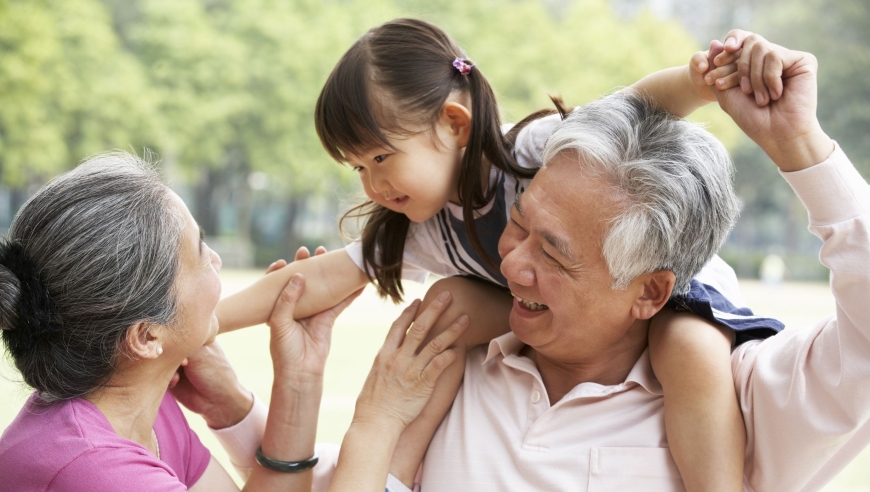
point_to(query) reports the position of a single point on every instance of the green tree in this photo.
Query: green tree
(66, 89)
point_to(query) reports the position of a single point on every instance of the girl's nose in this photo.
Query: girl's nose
(378, 182)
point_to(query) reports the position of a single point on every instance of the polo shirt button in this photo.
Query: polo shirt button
(536, 397)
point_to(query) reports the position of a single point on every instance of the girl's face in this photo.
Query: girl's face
(418, 177)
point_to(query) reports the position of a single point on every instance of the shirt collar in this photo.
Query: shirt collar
(641, 373)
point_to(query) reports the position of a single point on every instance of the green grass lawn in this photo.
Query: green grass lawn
(360, 331)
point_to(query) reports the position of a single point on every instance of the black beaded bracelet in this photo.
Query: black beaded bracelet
(285, 466)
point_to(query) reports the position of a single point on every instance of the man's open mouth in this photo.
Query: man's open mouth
(532, 306)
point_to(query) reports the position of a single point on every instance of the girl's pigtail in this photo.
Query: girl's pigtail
(383, 246)
(485, 144)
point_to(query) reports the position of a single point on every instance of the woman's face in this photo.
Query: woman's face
(198, 288)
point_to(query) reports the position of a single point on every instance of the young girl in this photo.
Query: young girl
(420, 124)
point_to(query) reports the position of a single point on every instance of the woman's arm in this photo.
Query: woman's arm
(299, 350)
(399, 385)
(488, 307)
(331, 277)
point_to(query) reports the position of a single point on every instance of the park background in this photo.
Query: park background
(223, 93)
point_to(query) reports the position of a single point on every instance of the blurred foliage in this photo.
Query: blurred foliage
(221, 89)
(773, 220)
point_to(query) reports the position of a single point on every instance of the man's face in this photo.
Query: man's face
(551, 255)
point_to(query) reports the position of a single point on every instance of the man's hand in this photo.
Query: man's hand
(207, 384)
(787, 128)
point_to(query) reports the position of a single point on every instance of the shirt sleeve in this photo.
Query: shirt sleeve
(112, 469)
(241, 441)
(805, 393)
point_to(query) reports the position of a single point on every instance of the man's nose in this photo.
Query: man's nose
(516, 265)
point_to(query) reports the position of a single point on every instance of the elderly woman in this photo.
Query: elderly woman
(106, 288)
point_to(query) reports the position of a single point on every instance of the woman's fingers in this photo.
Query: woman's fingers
(320, 250)
(276, 265)
(433, 370)
(282, 313)
(443, 341)
(397, 331)
(425, 321)
(301, 253)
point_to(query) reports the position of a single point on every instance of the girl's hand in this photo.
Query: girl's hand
(711, 67)
(207, 384)
(299, 347)
(401, 380)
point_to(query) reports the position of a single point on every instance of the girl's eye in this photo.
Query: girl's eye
(357, 169)
(380, 158)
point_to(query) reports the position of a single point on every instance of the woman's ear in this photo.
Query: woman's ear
(458, 118)
(657, 288)
(145, 340)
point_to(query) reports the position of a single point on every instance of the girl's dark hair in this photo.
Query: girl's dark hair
(92, 253)
(399, 73)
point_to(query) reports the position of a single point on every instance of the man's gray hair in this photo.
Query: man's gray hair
(675, 177)
(93, 252)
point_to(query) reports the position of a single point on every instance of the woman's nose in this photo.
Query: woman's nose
(216, 261)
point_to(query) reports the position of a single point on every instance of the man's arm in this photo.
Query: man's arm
(805, 393)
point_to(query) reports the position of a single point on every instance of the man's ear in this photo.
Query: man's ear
(457, 118)
(657, 288)
(145, 340)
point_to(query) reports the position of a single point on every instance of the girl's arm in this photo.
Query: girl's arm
(682, 90)
(331, 277)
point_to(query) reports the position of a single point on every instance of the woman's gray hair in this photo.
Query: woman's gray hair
(675, 177)
(92, 253)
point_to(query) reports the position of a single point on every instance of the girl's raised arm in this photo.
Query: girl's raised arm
(330, 278)
(681, 90)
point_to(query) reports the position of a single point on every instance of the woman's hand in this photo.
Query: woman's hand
(299, 347)
(207, 384)
(401, 380)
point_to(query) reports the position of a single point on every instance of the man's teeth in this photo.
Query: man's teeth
(533, 306)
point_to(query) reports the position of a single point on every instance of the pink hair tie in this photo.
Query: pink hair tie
(464, 66)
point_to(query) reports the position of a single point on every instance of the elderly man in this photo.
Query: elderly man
(568, 400)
